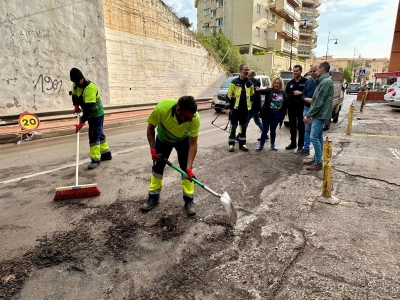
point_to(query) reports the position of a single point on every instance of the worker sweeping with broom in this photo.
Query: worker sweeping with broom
(86, 95)
(178, 125)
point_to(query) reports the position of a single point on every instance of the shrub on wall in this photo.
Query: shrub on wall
(221, 47)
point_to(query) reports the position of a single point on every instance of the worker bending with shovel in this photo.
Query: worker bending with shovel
(178, 124)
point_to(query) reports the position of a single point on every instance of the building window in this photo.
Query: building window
(206, 25)
(220, 3)
(265, 35)
(273, 17)
(257, 31)
(213, 13)
(266, 13)
(213, 29)
(258, 8)
(219, 22)
(206, 12)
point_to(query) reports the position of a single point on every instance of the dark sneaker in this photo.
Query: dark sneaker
(259, 148)
(93, 165)
(244, 148)
(150, 204)
(325, 128)
(231, 148)
(308, 162)
(190, 208)
(314, 166)
(274, 148)
(303, 151)
(106, 156)
(291, 146)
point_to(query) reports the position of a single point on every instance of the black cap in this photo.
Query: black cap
(75, 75)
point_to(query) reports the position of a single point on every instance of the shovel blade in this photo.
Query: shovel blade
(228, 205)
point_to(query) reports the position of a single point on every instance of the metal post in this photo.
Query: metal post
(327, 169)
(291, 44)
(350, 120)
(326, 55)
(352, 65)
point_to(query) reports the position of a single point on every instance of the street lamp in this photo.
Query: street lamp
(336, 42)
(291, 44)
(352, 65)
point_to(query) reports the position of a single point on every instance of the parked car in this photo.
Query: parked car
(394, 99)
(218, 101)
(353, 87)
(389, 91)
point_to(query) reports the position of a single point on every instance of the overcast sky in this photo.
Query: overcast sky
(364, 25)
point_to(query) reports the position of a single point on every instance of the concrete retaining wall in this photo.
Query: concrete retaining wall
(135, 51)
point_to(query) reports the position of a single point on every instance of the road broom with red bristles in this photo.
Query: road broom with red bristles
(77, 191)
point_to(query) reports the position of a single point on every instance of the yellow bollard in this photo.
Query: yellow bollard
(350, 120)
(327, 169)
(363, 100)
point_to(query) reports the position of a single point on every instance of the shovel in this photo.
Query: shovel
(225, 199)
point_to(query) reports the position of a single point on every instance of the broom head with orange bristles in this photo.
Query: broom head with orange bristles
(73, 192)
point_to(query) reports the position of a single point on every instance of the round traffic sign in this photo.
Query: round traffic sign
(28, 121)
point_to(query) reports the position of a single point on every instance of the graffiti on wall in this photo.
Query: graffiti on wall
(48, 85)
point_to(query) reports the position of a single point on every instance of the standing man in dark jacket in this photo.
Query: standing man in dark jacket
(320, 111)
(294, 90)
(255, 103)
(86, 95)
(307, 97)
(238, 105)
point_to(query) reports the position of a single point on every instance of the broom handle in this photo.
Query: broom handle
(77, 155)
(193, 179)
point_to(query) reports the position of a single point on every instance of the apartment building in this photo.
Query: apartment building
(283, 26)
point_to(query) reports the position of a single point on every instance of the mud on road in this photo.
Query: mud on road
(285, 244)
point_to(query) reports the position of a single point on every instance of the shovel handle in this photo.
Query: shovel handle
(182, 172)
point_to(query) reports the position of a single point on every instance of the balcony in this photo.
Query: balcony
(307, 44)
(308, 33)
(313, 3)
(295, 3)
(303, 53)
(281, 46)
(284, 9)
(285, 30)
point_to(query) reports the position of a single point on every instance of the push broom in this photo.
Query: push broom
(77, 191)
(224, 198)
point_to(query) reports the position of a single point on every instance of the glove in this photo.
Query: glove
(79, 127)
(154, 155)
(76, 109)
(190, 174)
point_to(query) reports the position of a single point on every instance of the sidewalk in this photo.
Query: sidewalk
(66, 126)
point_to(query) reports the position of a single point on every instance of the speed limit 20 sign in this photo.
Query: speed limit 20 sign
(28, 121)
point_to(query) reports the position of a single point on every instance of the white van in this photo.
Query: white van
(218, 100)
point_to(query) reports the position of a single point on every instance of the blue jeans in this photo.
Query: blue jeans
(307, 130)
(317, 139)
(270, 123)
(256, 119)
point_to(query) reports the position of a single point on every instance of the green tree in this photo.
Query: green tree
(222, 49)
(346, 74)
(185, 21)
(355, 66)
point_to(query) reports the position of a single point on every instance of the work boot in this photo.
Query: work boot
(291, 146)
(308, 162)
(244, 148)
(190, 208)
(314, 167)
(106, 156)
(231, 148)
(93, 165)
(151, 203)
(237, 138)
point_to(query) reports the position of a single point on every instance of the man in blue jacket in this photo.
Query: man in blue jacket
(320, 110)
(308, 92)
